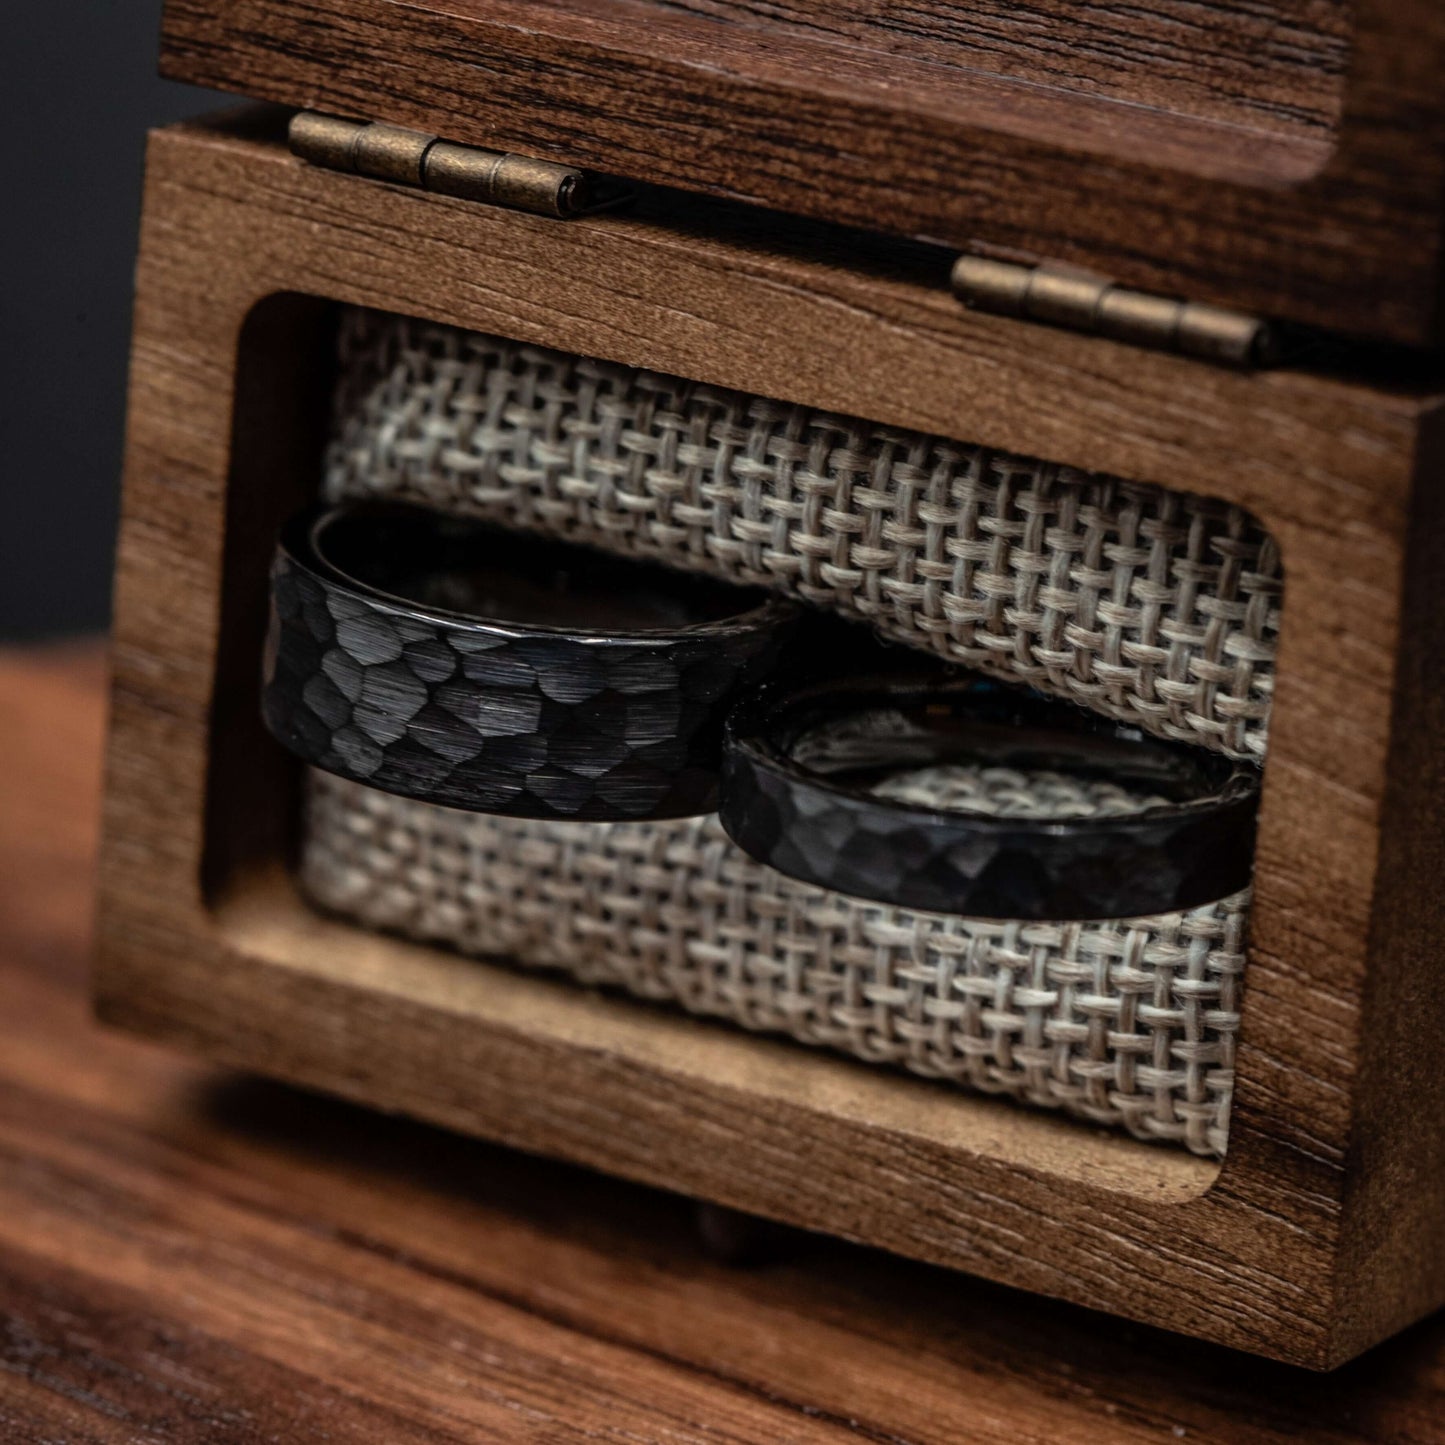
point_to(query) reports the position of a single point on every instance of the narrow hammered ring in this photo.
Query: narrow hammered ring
(440, 659)
(800, 769)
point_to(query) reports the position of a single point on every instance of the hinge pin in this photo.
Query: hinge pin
(411, 158)
(1080, 302)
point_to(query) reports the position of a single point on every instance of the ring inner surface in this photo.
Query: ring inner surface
(479, 573)
(950, 756)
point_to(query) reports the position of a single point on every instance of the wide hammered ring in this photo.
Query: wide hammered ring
(430, 656)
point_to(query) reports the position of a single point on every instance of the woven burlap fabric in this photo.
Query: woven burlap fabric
(1143, 603)
(1125, 1024)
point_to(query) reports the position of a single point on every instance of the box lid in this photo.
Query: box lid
(1285, 157)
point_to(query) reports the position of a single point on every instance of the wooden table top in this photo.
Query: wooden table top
(191, 1255)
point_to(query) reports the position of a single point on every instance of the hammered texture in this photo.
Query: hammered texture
(1123, 1024)
(536, 726)
(978, 865)
(1148, 605)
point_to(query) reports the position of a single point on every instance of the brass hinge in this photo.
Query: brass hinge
(1060, 297)
(411, 158)
(1045, 292)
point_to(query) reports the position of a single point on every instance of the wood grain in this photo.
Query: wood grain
(1270, 64)
(1278, 157)
(192, 1256)
(1290, 1250)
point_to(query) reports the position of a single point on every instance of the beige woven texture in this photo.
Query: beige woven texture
(1144, 604)
(1125, 1024)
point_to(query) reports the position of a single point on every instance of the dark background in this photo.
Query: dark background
(78, 89)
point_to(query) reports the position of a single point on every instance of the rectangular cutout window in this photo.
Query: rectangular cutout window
(1153, 607)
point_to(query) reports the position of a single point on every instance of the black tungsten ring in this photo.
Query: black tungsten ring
(800, 772)
(432, 656)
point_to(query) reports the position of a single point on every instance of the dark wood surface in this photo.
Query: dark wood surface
(188, 1254)
(1284, 156)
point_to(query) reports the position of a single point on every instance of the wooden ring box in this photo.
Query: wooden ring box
(1309, 191)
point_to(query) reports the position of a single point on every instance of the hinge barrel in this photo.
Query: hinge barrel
(1059, 297)
(411, 158)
